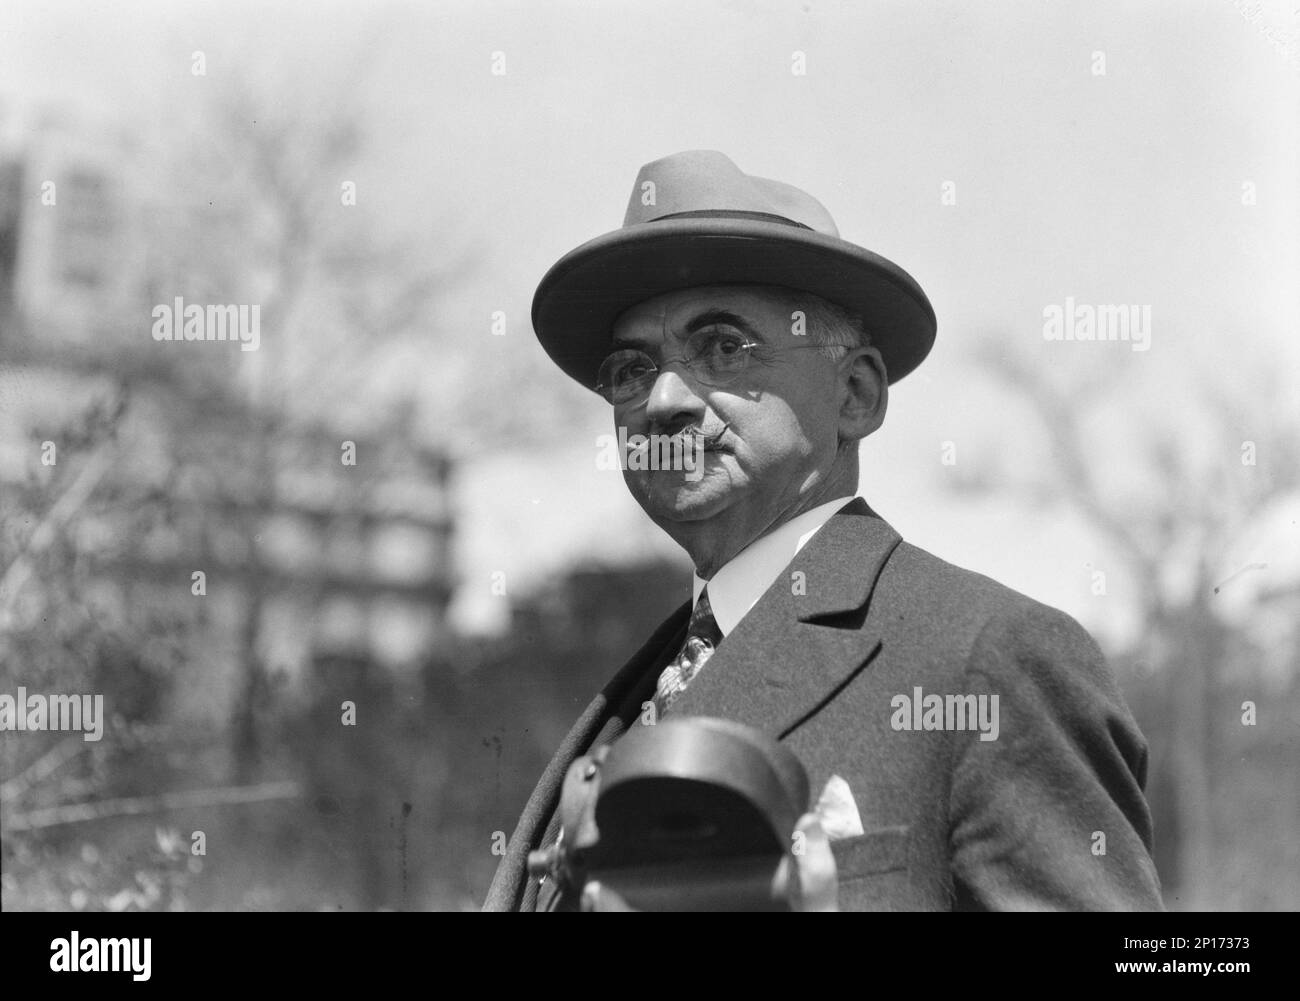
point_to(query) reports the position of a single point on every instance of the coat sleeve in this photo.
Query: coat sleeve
(1050, 815)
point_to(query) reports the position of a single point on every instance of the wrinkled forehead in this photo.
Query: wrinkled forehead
(666, 315)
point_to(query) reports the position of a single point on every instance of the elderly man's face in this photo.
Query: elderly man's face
(772, 433)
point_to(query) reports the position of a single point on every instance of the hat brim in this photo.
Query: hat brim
(582, 295)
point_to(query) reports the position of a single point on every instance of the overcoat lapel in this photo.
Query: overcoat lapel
(598, 722)
(807, 635)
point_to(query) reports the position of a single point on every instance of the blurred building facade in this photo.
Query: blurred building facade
(304, 555)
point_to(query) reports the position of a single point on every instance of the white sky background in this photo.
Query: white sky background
(1124, 188)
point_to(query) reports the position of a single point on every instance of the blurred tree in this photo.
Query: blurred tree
(263, 181)
(242, 200)
(60, 633)
(1173, 498)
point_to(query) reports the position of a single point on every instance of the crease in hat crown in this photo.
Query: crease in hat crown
(695, 219)
(704, 181)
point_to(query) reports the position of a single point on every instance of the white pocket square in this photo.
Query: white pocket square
(837, 811)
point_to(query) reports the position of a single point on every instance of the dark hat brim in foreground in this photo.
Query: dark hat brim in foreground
(582, 295)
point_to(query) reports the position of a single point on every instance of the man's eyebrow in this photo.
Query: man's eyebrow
(698, 322)
(630, 342)
(712, 316)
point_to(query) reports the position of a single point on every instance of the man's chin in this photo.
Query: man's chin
(671, 497)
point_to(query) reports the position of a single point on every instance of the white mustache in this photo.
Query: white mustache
(689, 436)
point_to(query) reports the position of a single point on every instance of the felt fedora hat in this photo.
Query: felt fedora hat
(695, 219)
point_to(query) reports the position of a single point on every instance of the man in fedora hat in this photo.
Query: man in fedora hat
(972, 748)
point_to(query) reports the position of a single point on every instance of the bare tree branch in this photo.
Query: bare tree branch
(44, 766)
(59, 514)
(81, 812)
(1061, 420)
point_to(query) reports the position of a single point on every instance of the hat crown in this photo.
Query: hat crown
(706, 182)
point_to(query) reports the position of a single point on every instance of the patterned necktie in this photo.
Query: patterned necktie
(702, 638)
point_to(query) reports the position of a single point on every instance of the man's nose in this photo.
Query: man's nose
(674, 401)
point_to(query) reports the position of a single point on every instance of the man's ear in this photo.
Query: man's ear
(864, 393)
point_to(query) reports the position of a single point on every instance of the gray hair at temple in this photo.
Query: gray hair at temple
(834, 329)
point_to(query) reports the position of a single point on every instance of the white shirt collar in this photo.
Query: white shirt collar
(739, 583)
